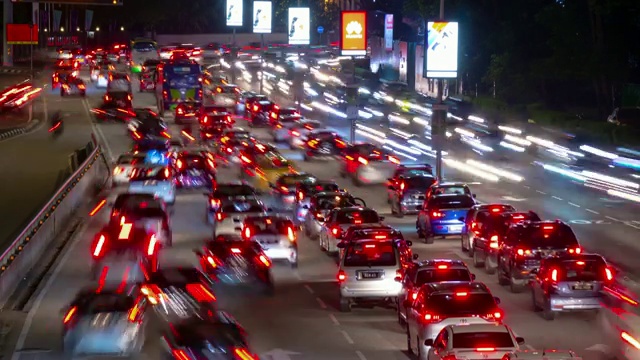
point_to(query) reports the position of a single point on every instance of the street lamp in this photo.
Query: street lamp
(61, 29)
(78, 29)
(98, 28)
(121, 28)
(46, 30)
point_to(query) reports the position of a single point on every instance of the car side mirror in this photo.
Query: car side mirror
(409, 243)
(391, 187)
(398, 279)
(381, 218)
(461, 219)
(306, 207)
(474, 196)
(341, 245)
(520, 340)
(473, 276)
(198, 252)
(428, 342)
(497, 300)
(415, 257)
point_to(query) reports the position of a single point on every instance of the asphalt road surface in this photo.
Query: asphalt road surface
(32, 163)
(301, 321)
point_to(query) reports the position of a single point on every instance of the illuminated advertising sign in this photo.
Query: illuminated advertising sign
(388, 32)
(353, 30)
(262, 12)
(22, 34)
(234, 12)
(441, 52)
(299, 26)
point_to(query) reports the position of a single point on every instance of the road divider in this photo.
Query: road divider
(28, 247)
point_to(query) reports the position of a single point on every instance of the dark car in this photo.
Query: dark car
(118, 99)
(194, 170)
(259, 112)
(405, 171)
(73, 85)
(479, 212)
(409, 194)
(526, 244)
(323, 144)
(186, 112)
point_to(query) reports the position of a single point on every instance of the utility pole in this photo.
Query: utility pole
(264, 53)
(440, 118)
(31, 26)
(7, 50)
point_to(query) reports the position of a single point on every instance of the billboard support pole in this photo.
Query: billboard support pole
(233, 39)
(262, 63)
(31, 46)
(7, 50)
(440, 118)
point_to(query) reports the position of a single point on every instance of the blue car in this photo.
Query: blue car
(443, 215)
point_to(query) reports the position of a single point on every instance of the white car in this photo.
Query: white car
(275, 234)
(231, 214)
(283, 128)
(65, 54)
(472, 342)
(154, 180)
(300, 130)
(339, 220)
(124, 167)
(619, 318)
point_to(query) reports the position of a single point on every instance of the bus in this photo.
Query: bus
(141, 50)
(176, 82)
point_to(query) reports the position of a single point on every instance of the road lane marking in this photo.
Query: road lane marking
(321, 303)
(334, 320)
(528, 187)
(360, 355)
(347, 337)
(593, 212)
(98, 131)
(572, 204)
(612, 218)
(631, 225)
(557, 198)
(297, 275)
(541, 192)
(309, 289)
(44, 291)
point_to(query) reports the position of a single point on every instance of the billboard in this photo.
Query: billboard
(22, 34)
(75, 2)
(353, 33)
(441, 52)
(234, 12)
(388, 32)
(262, 12)
(299, 26)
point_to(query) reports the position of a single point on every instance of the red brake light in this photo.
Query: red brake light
(495, 210)
(335, 231)
(291, 234)
(295, 133)
(630, 340)
(363, 161)
(236, 251)
(437, 214)
(402, 186)
(394, 160)
(180, 355)
(247, 233)
(554, 275)
(180, 111)
(125, 231)
(219, 216)
(370, 246)
(523, 252)
(609, 274)
(243, 354)
(518, 217)
(70, 314)
(576, 250)
(133, 314)
(200, 293)
(547, 227)
(380, 237)
(214, 203)
(264, 260)
(486, 349)
(432, 318)
(494, 238)
(443, 267)
(153, 242)
(462, 294)
(342, 276)
(179, 164)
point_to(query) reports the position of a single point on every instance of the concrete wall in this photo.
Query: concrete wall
(203, 39)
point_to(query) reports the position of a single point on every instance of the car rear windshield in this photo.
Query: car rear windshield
(358, 216)
(460, 190)
(539, 237)
(451, 202)
(205, 335)
(233, 190)
(427, 276)
(146, 212)
(274, 161)
(329, 202)
(582, 270)
(267, 226)
(130, 160)
(242, 207)
(144, 46)
(287, 119)
(157, 174)
(320, 187)
(192, 161)
(419, 182)
(463, 304)
(108, 303)
(474, 340)
(176, 277)
(295, 179)
(370, 253)
(288, 112)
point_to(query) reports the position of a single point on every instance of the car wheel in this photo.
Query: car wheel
(399, 212)
(476, 260)
(409, 345)
(488, 268)
(462, 247)
(345, 305)
(401, 320)
(535, 306)
(547, 313)
(513, 286)
(502, 279)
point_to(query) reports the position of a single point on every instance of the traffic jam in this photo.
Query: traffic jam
(246, 157)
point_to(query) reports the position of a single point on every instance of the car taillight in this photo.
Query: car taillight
(485, 349)
(554, 275)
(219, 216)
(523, 252)
(117, 170)
(200, 293)
(242, 354)
(246, 233)
(335, 231)
(180, 111)
(576, 250)
(432, 318)
(215, 203)
(436, 214)
(212, 262)
(608, 274)
(134, 314)
(69, 316)
(363, 161)
(394, 159)
(179, 164)
(153, 244)
(291, 234)
(264, 260)
(180, 355)
(342, 276)
(630, 340)
(413, 294)
(494, 316)
(295, 133)
(97, 250)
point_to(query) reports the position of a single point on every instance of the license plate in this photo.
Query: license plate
(455, 228)
(583, 287)
(370, 275)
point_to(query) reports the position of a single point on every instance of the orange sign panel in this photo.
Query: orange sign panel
(353, 28)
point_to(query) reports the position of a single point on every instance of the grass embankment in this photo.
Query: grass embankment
(587, 128)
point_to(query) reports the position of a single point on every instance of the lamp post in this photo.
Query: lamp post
(440, 117)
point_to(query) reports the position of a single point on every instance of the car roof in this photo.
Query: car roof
(475, 328)
(448, 262)
(353, 208)
(446, 184)
(448, 287)
(441, 196)
(578, 257)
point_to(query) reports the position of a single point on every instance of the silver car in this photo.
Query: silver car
(124, 167)
(104, 322)
(300, 130)
(367, 272)
(232, 212)
(448, 303)
(275, 234)
(473, 342)
(319, 207)
(283, 128)
(339, 220)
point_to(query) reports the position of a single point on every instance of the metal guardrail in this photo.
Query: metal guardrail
(28, 247)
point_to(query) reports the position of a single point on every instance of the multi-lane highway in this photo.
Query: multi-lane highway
(301, 321)
(33, 163)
